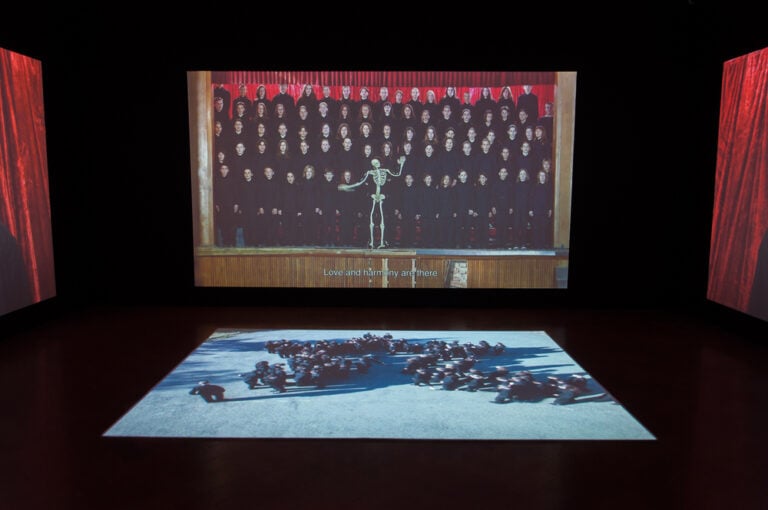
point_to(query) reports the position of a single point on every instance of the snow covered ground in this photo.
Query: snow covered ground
(381, 404)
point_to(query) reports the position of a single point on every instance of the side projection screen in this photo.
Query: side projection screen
(738, 262)
(381, 179)
(26, 245)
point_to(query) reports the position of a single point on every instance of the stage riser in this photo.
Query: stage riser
(355, 271)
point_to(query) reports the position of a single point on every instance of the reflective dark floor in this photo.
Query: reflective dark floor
(698, 383)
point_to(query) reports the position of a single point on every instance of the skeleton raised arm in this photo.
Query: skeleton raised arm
(400, 160)
(377, 175)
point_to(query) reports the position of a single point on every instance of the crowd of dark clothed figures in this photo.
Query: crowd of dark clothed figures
(477, 173)
(436, 364)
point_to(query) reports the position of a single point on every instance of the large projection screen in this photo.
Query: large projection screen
(26, 245)
(477, 221)
(738, 262)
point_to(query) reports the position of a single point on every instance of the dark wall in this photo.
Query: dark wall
(646, 128)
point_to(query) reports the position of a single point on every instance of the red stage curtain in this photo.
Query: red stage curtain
(740, 212)
(392, 79)
(24, 195)
(472, 82)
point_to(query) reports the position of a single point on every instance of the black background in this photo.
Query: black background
(635, 314)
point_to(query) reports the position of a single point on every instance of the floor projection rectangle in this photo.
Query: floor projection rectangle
(352, 384)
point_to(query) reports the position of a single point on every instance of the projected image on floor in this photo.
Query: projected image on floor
(497, 385)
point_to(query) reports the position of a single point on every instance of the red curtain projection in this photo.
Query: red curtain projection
(24, 197)
(740, 213)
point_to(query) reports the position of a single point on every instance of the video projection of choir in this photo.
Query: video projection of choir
(469, 167)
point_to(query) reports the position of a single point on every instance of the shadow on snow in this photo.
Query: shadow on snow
(202, 365)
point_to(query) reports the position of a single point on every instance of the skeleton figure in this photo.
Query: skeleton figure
(379, 178)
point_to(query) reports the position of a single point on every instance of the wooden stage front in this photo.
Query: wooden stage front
(386, 268)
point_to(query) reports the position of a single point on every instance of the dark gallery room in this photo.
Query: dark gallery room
(228, 277)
